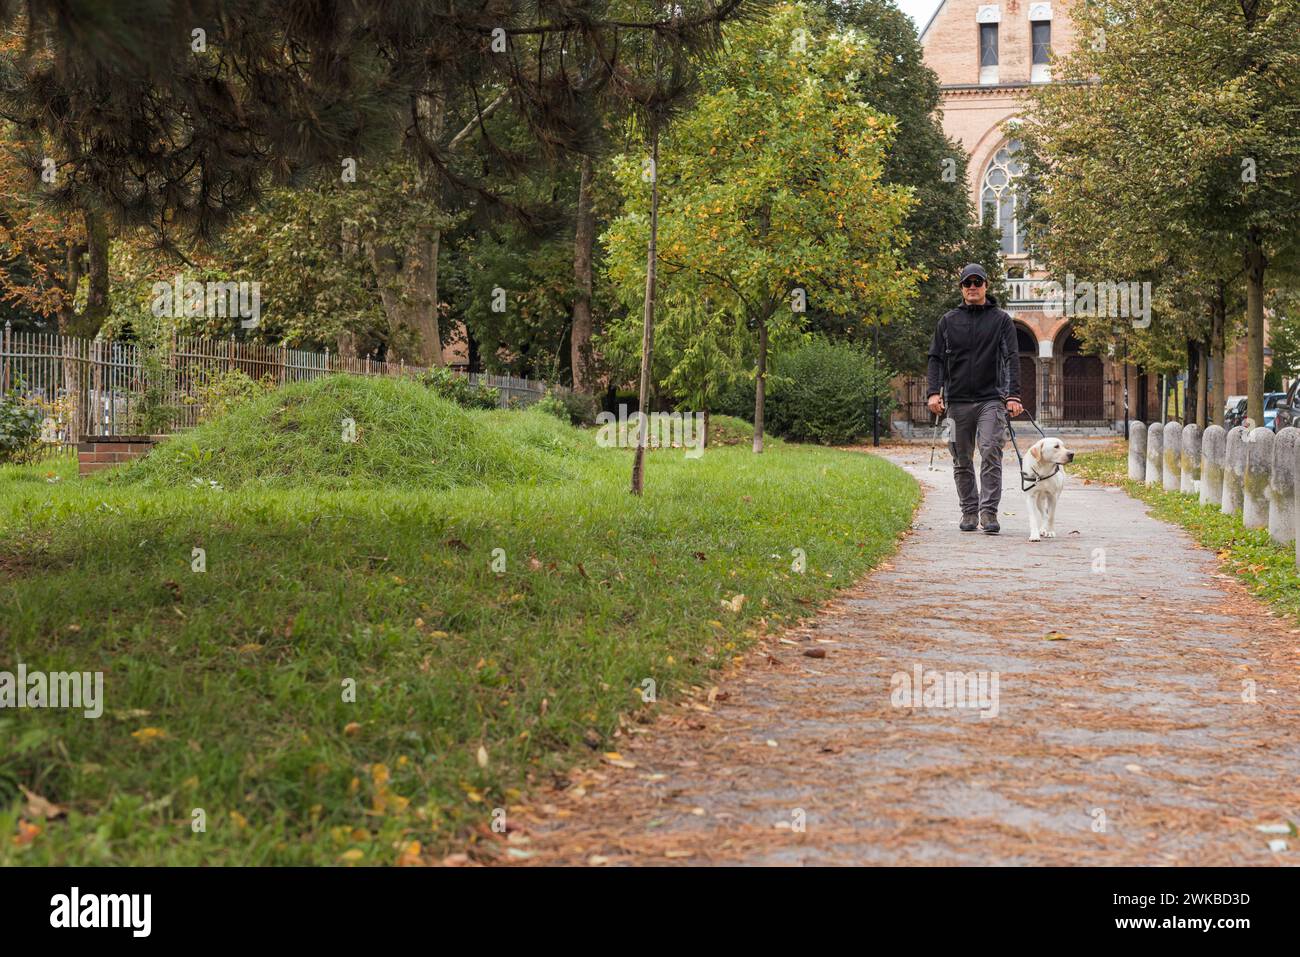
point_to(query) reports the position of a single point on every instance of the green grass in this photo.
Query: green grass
(1267, 568)
(224, 689)
(405, 436)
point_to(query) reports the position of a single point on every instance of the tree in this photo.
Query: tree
(1284, 334)
(178, 116)
(941, 223)
(773, 192)
(1179, 116)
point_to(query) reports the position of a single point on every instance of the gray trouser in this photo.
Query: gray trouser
(985, 422)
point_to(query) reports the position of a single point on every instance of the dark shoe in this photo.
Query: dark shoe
(969, 523)
(990, 523)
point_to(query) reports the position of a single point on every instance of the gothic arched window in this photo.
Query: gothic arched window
(998, 197)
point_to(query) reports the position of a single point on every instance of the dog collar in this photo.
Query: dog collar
(1026, 483)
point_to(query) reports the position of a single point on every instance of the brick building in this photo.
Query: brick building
(988, 56)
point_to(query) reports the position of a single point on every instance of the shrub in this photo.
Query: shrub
(220, 392)
(736, 399)
(824, 393)
(571, 407)
(457, 388)
(20, 429)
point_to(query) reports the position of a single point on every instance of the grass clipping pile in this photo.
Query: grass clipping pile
(347, 432)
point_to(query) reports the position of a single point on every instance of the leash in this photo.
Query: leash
(1027, 484)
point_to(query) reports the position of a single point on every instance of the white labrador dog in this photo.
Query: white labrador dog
(1042, 468)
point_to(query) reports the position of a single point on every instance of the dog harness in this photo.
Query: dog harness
(1027, 483)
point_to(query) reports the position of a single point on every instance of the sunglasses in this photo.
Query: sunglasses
(974, 282)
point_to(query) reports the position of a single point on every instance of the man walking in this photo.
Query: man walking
(973, 365)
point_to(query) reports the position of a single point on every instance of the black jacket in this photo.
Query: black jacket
(974, 355)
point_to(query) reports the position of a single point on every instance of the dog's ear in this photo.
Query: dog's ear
(1037, 451)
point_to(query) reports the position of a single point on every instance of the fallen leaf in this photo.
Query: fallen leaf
(130, 714)
(148, 735)
(26, 833)
(735, 604)
(40, 807)
(1287, 828)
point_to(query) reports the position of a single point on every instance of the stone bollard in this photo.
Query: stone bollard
(1137, 450)
(1212, 448)
(1281, 487)
(1191, 465)
(1259, 461)
(1234, 471)
(1155, 437)
(1173, 456)
(1297, 507)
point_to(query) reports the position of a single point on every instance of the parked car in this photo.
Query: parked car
(1234, 411)
(1271, 402)
(1288, 410)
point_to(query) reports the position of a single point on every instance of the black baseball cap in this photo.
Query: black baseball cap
(974, 269)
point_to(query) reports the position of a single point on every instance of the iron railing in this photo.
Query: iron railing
(100, 387)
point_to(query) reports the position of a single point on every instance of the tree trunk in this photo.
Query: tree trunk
(648, 320)
(1190, 403)
(425, 320)
(1218, 350)
(346, 345)
(760, 385)
(1256, 263)
(86, 323)
(67, 313)
(408, 288)
(97, 302)
(583, 243)
(408, 278)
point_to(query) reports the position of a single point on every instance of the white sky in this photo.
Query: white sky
(919, 10)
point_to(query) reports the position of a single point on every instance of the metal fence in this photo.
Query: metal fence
(102, 387)
(1052, 398)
